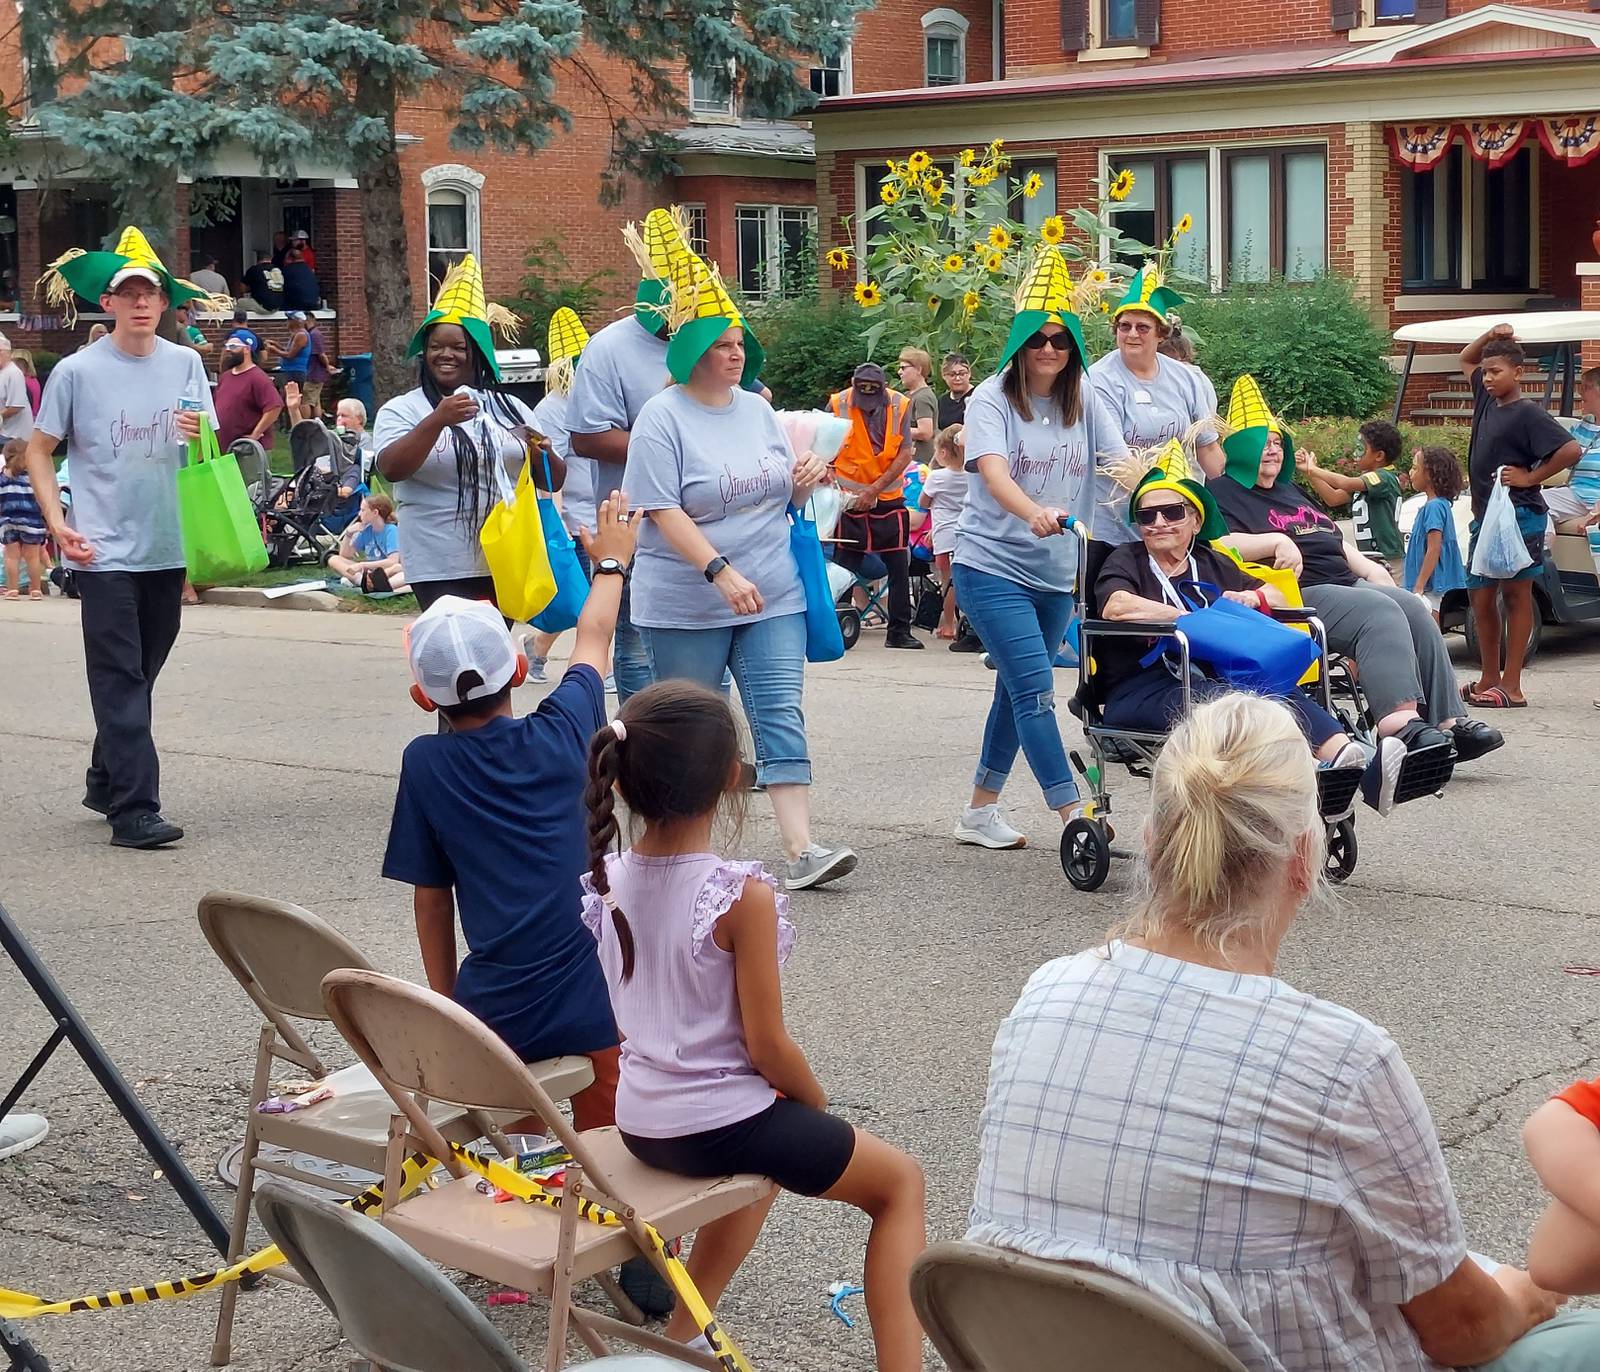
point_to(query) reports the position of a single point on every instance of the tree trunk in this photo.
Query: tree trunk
(390, 308)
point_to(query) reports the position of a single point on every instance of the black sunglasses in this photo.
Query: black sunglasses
(1149, 514)
(1059, 342)
(867, 388)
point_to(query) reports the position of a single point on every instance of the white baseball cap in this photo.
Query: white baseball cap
(453, 636)
(126, 272)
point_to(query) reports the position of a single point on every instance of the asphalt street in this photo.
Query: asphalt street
(281, 735)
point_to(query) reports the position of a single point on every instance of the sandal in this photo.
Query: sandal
(10, 593)
(1495, 698)
(35, 595)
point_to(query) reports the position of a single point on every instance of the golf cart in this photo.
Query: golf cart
(1567, 589)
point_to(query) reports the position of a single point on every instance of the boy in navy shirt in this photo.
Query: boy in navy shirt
(489, 822)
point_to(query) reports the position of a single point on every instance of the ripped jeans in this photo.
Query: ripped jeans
(1022, 628)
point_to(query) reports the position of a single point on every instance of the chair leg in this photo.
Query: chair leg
(561, 1294)
(620, 1299)
(222, 1343)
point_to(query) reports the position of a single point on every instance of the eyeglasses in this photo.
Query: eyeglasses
(1138, 326)
(1150, 515)
(1056, 342)
(868, 388)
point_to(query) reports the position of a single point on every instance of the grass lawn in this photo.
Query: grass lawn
(288, 576)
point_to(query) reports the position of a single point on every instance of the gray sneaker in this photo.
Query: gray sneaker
(18, 1133)
(818, 865)
(987, 827)
(536, 671)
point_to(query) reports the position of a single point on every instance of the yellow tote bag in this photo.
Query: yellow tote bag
(513, 545)
(1283, 580)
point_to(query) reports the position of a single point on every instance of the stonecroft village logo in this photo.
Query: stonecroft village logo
(741, 489)
(1305, 520)
(1038, 472)
(143, 439)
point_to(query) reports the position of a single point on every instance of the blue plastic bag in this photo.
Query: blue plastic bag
(824, 638)
(1238, 645)
(1500, 552)
(572, 586)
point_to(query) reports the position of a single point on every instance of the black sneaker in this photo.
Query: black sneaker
(1473, 738)
(144, 831)
(646, 1288)
(971, 643)
(95, 803)
(903, 639)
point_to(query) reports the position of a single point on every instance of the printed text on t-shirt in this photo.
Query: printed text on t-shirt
(1035, 473)
(127, 434)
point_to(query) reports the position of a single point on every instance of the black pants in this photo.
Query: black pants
(130, 622)
(896, 566)
(467, 587)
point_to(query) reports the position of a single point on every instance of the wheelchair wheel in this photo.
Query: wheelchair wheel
(1341, 859)
(1085, 854)
(850, 626)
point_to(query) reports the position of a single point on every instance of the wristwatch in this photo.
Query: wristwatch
(715, 566)
(609, 566)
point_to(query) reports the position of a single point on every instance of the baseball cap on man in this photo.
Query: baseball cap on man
(454, 637)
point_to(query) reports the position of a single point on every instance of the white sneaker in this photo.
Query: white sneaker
(987, 827)
(18, 1133)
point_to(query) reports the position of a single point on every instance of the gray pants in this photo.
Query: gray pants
(1400, 652)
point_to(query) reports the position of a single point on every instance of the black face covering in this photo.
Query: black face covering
(874, 408)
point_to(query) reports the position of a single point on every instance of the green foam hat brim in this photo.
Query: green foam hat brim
(1029, 322)
(1242, 453)
(1162, 299)
(650, 302)
(477, 331)
(89, 274)
(691, 341)
(1212, 524)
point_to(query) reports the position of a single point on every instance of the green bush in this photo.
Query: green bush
(548, 285)
(813, 346)
(1337, 444)
(1313, 346)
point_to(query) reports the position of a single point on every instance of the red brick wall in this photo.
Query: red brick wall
(1570, 205)
(721, 195)
(887, 52)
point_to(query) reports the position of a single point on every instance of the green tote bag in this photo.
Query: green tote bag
(221, 534)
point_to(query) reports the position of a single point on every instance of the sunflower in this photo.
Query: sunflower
(993, 262)
(996, 147)
(933, 303)
(968, 157)
(890, 194)
(1033, 185)
(933, 180)
(1099, 276)
(970, 302)
(1053, 230)
(1185, 224)
(934, 193)
(838, 259)
(1122, 187)
(919, 162)
(955, 262)
(868, 294)
(1105, 308)
(999, 238)
(983, 176)
(892, 165)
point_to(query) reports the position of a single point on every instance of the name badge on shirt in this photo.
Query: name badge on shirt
(1143, 397)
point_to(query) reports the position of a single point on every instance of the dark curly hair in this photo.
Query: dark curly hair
(1443, 470)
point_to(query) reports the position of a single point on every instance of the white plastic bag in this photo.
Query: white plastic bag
(1500, 552)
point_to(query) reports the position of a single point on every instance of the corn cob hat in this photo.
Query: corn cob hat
(461, 301)
(1171, 471)
(1250, 423)
(1148, 291)
(1046, 296)
(656, 246)
(700, 311)
(91, 274)
(567, 339)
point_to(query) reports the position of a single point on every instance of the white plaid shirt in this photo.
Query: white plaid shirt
(1261, 1158)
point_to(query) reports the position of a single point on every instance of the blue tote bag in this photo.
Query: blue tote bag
(824, 638)
(1241, 646)
(572, 586)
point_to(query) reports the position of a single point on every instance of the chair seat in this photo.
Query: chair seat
(353, 1127)
(515, 1244)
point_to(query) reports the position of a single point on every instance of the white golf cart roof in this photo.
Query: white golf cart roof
(1554, 326)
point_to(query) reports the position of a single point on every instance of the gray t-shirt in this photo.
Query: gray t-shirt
(623, 366)
(1151, 412)
(577, 494)
(730, 470)
(924, 405)
(1055, 465)
(115, 411)
(434, 543)
(14, 391)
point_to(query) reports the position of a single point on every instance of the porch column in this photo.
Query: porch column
(30, 255)
(1589, 287)
(346, 283)
(1367, 193)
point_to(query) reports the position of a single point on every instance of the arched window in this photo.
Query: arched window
(453, 193)
(944, 46)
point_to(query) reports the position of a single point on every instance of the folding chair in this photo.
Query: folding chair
(422, 1047)
(397, 1310)
(991, 1310)
(279, 954)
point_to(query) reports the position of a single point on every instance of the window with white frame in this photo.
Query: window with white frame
(711, 92)
(831, 75)
(776, 249)
(699, 235)
(453, 222)
(944, 45)
(1118, 26)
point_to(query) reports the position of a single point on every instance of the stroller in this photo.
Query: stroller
(296, 511)
(825, 505)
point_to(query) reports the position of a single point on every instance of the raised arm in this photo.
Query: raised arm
(1472, 354)
(614, 536)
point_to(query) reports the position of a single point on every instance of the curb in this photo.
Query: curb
(254, 598)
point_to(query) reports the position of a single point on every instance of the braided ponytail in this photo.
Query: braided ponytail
(605, 833)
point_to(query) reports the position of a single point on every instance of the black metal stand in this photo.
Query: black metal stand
(70, 1028)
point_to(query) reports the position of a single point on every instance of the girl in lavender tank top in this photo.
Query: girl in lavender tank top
(711, 1083)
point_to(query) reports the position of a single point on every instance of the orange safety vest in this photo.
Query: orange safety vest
(858, 460)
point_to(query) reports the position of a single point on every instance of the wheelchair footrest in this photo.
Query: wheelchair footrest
(1336, 791)
(1425, 771)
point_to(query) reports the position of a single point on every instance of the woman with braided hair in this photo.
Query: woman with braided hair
(442, 442)
(711, 1083)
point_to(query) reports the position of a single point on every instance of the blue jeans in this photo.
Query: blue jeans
(630, 663)
(1022, 628)
(768, 662)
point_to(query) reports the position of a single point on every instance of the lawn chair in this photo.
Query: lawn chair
(991, 1310)
(279, 954)
(423, 1048)
(397, 1310)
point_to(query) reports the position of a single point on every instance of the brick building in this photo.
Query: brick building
(1443, 153)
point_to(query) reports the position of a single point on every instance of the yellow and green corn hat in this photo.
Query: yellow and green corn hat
(567, 338)
(461, 300)
(658, 247)
(1044, 297)
(1249, 424)
(90, 274)
(1172, 471)
(1148, 292)
(700, 311)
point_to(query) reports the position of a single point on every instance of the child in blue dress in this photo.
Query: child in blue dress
(1433, 555)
